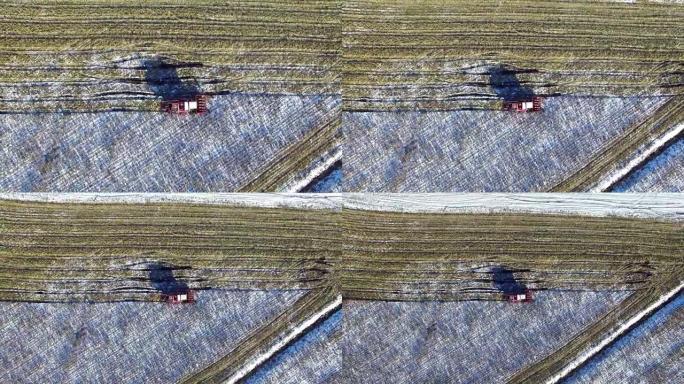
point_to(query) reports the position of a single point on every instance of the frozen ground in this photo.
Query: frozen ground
(461, 341)
(150, 152)
(663, 173)
(648, 205)
(482, 150)
(314, 358)
(128, 342)
(653, 352)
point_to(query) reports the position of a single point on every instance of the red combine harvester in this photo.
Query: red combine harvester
(525, 297)
(533, 105)
(196, 105)
(180, 298)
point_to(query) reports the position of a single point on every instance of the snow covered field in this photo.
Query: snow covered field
(461, 342)
(154, 152)
(128, 342)
(315, 358)
(473, 151)
(650, 205)
(652, 352)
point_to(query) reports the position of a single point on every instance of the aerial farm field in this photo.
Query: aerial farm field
(437, 55)
(134, 133)
(83, 85)
(607, 76)
(663, 173)
(649, 352)
(232, 147)
(411, 257)
(127, 341)
(111, 55)
(386, 96)
(55, 252)
(486, 151)
(461, 342)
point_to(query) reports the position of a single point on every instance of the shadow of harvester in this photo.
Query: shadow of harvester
(505, 282)
(162, 78)
(162, 279)
(504, 81)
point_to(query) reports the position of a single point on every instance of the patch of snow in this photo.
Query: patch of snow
(664, 173)
(668, 206)
(314, 173)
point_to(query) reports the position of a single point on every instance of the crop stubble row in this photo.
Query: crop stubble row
(106, 252)
(401, 55)
(378, 54)
(273, 47)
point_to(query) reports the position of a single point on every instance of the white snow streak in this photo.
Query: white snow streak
(667, 206)
(299, 185)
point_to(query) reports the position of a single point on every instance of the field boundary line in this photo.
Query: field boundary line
(625, 327)
(661, 143)
(298, 185)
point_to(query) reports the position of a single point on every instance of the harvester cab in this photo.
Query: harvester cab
(533, 105)
(524, 297)
(187, 297)
(195, 105)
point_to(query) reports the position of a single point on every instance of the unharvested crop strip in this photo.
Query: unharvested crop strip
(250, 37)
(426, 50)
(81, 252)
(395, 256)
